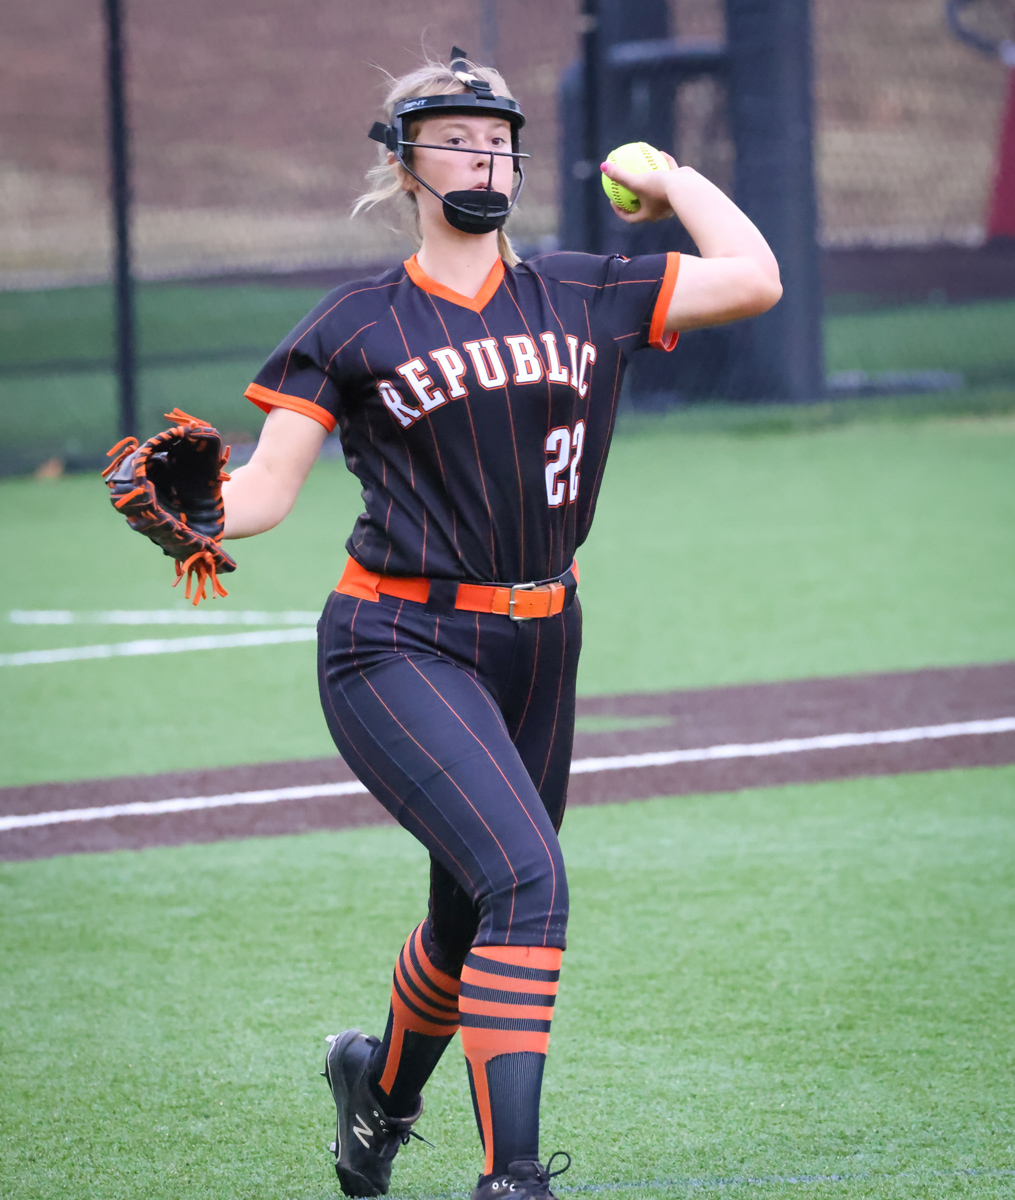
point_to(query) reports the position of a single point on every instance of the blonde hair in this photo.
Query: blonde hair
(386, 180)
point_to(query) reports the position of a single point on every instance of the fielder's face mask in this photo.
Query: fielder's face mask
(475, 211)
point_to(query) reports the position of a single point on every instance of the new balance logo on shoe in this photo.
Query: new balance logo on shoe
(363, 1149)
(363, 1131)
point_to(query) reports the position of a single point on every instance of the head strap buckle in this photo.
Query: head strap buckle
(460, 69)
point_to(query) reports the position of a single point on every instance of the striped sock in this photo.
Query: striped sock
(505, 1007)
(421, 1022)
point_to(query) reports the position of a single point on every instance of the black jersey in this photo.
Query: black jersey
(479, 427)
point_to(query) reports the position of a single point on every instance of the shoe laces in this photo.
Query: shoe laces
(545, 1171)
(404, 1134)
(401, 1127)
(557, 1154)
(541, 1179)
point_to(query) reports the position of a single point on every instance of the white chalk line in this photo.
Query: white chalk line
(828, 741)
(148, 808)
(224, 641)
(158, 616)
(581, 766)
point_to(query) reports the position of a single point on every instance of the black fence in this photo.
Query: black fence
(247, 144)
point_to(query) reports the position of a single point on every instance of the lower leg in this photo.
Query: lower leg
(505, 1008)
(422, 1020)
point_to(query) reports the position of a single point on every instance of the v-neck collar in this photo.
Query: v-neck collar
(475, 303)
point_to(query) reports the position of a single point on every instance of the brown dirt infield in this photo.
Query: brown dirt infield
(748, 713)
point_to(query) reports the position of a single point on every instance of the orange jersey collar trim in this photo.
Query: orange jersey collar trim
(658, 338)
(475, 303)
(266, 399)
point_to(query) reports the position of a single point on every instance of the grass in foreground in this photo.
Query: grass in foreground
(799, 982)
(714, 559)
(857, 548)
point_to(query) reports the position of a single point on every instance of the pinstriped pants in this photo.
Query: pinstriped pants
(461, 724)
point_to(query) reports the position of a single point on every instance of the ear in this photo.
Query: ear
(404, 178)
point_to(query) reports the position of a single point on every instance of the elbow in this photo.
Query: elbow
(766, 289)
(772, 295)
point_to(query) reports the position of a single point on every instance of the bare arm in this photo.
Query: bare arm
(737, 275)
(258, 496)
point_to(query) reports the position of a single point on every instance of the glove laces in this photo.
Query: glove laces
(201, 565)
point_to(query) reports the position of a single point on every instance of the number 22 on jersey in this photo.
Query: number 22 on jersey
(564, 447)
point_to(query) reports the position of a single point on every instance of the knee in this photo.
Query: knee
(528, 904)
(450, 929)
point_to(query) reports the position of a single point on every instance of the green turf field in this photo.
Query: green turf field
(782, 985)
(793, 992)
(863, 547)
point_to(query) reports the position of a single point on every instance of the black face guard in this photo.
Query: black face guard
(473, 211)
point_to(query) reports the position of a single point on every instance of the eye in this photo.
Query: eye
(455, 140)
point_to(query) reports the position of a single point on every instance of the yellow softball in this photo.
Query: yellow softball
(635, 156)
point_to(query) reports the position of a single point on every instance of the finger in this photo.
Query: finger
(618, 174)
(629, 218)
(639, 182)
(670, 160)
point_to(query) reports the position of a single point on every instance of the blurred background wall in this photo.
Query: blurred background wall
(249, 122)
(248, 146)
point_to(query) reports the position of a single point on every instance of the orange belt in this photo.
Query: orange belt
(521, 602)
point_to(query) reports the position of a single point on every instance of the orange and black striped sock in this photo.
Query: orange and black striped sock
(505, 1007)
(421, 1022)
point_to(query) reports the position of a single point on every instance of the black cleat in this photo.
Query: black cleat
(525, 1180)
(366, 1138)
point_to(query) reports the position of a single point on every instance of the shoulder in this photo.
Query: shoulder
(362, 290)
(347, 308)
(587, 270)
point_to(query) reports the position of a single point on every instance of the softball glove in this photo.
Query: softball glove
(170, 489)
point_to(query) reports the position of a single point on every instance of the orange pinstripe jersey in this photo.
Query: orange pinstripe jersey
(478, 426)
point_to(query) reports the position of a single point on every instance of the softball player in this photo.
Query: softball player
(475, 398)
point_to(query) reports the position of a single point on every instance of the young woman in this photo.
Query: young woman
(475, 398)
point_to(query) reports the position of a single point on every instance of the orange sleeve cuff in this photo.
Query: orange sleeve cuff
(267, 399)
(658, 338)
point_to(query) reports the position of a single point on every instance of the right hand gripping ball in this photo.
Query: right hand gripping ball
(634, 156)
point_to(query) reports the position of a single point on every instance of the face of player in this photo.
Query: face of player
(453, 171)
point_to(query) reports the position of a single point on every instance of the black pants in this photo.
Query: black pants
(462, 725)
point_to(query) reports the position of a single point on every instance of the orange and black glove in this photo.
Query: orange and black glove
(170, 489)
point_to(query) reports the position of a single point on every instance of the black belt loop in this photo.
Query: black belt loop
(443, 594)
(570, 586)
(567, 578)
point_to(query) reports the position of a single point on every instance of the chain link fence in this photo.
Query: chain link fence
(248, 146)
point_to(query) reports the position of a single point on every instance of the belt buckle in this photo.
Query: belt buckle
(519, 587)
